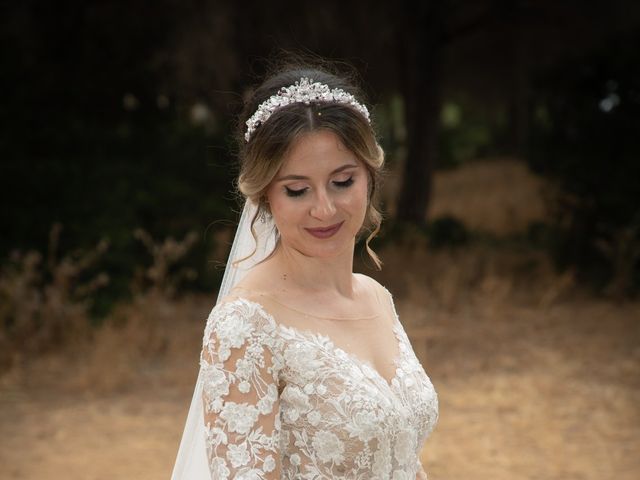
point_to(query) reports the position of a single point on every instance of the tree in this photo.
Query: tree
(585, 138)
(420, 38)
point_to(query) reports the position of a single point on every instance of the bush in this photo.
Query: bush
(45, 304)
(585, 134)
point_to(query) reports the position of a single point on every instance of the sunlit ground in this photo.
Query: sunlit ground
(536, 380)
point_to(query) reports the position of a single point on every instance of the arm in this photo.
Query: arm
(241, 401)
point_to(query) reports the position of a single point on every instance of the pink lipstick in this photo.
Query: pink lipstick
(325, 232)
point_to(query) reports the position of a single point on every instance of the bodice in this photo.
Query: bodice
(281, 402)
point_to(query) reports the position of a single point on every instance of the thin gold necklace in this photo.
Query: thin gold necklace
(369, 317)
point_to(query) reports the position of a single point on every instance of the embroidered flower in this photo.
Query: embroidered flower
(269, 463)
(328, 447)
(215, 383)
(291, 415)
(240, 418)
(238, 455)
(233, 330)
(265, 404)
(219, 468)
(363, 424)
(314, 417)
(224, 352)
(296, 398)
(245, 367)
(269, 442)
(272, 392)
(301, 357)
(215, 406)
(215, 434)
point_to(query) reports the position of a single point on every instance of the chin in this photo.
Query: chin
(326, 249)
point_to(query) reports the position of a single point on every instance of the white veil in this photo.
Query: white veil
(191, 462)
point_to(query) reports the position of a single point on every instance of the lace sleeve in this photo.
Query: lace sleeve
(240, 395)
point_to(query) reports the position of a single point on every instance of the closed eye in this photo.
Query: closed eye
(295, 193)
(347, 183)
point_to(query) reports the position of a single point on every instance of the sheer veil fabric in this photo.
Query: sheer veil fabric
(191, 462)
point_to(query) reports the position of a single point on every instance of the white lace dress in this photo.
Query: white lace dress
(287, 403)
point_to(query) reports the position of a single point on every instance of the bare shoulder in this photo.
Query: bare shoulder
(251, 287)
(375, 286)
(381, 293)
(247, 289)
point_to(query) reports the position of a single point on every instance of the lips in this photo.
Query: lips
(325, 232)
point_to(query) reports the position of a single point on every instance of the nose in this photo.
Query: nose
(323, 208)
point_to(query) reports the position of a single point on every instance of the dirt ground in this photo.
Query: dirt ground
(536, 381)
(525, 393)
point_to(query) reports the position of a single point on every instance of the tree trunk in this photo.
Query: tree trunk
(519, 95)
(420, 43)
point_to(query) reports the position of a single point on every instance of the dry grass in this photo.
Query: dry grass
(526, 391)
(533, 392)
(497, 195)
(535, 379)
(500, 196)
(44, 304)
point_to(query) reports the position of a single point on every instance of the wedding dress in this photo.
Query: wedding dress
(282, 402)
(274, 394)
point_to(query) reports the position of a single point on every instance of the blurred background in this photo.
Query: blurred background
(511, 129)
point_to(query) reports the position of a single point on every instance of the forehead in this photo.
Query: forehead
(317, 150)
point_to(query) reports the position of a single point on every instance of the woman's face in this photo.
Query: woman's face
(320, 184)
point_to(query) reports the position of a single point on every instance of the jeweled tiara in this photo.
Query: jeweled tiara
(303, 91)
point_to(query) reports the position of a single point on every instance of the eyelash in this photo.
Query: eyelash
(297, 193)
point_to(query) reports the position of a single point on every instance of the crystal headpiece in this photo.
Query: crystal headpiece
(303, 91)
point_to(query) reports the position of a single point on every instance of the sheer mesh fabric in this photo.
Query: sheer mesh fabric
(285, 401)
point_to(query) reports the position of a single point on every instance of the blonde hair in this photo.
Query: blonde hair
(264, 154)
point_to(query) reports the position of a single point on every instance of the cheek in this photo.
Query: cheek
(286, 213)
(357, 202)
(279, 209)
(361, 199)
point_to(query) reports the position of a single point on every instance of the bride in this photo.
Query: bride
(306, 371)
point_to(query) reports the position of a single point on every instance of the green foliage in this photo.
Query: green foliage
(94, 138)
(447, 231)
(465, 134)
(585, 133)
(158, 177)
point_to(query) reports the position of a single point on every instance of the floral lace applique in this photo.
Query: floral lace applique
(282, 403)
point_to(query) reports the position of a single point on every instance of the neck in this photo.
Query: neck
(315, 275)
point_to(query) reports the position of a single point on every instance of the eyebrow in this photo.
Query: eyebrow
(302, 177)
